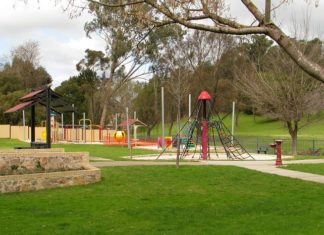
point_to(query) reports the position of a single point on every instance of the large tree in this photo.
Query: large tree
(212, 16)
(124, 57)
(281, 90)
(18, 75)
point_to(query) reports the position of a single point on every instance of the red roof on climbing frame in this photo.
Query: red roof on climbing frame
(204, 95)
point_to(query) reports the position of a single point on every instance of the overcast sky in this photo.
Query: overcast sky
(63, 41)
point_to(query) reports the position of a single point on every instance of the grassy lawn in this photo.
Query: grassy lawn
(109, 152)
(95, 150)
(164, 200)
(11, 143)
(310, 168)
(304, 157)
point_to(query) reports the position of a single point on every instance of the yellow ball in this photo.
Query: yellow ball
(119, 136)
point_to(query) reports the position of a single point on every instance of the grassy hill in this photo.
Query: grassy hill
(261, 131)
(262, 127)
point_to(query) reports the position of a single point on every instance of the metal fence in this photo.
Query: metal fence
(304, 146)
(256, 143)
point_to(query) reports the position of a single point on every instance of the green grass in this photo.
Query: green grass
(310, 168)
(304, 157)
(109, 152)
(164, 200)
(95, 150)
(11, 143)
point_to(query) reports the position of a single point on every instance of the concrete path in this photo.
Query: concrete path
(99, 159)
(262, 166)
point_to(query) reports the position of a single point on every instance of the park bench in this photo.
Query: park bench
(262, 149)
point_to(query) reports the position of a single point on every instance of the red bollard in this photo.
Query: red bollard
(277, 145)
(278, 148)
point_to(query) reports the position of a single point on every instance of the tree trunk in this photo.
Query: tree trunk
(294, 144)
(293, 130)
(254, 115)
(107, 97)
(148, 132)
(170, 127)
(104, 113)
(93, 108)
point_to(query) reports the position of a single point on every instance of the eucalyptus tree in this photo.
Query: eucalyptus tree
(213, 16)
(124, 57)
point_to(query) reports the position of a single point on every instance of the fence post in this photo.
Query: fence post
(313, 145)
(257, 148)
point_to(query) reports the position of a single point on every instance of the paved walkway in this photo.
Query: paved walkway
(262, 166)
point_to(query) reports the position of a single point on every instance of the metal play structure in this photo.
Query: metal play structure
(206, 130)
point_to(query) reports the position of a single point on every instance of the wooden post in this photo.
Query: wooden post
(48, 117)
(73, 133)
(32, 124)
(24, 125)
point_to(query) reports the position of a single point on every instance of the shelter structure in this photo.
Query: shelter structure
(53, 102)
(135, 123)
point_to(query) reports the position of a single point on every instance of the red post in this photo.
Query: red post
(203, 97)
(278, 148)
(204, 140)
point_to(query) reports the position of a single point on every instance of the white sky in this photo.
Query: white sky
(63, 40)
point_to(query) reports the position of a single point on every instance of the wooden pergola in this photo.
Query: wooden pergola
(52, 101)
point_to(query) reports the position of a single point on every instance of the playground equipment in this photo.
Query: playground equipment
(203, 125)
(75, 133)
(89, 133)
(167, 142)
(119, 136)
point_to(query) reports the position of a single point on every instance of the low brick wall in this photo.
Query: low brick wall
(13, 163)
(28, 151)
(25, 169)
(33, 182)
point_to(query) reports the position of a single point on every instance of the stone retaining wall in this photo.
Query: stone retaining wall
(30, 151)
(13, 163)
(25, 169)
(32, 182)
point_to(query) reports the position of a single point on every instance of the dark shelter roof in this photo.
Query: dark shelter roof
(58, 104)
